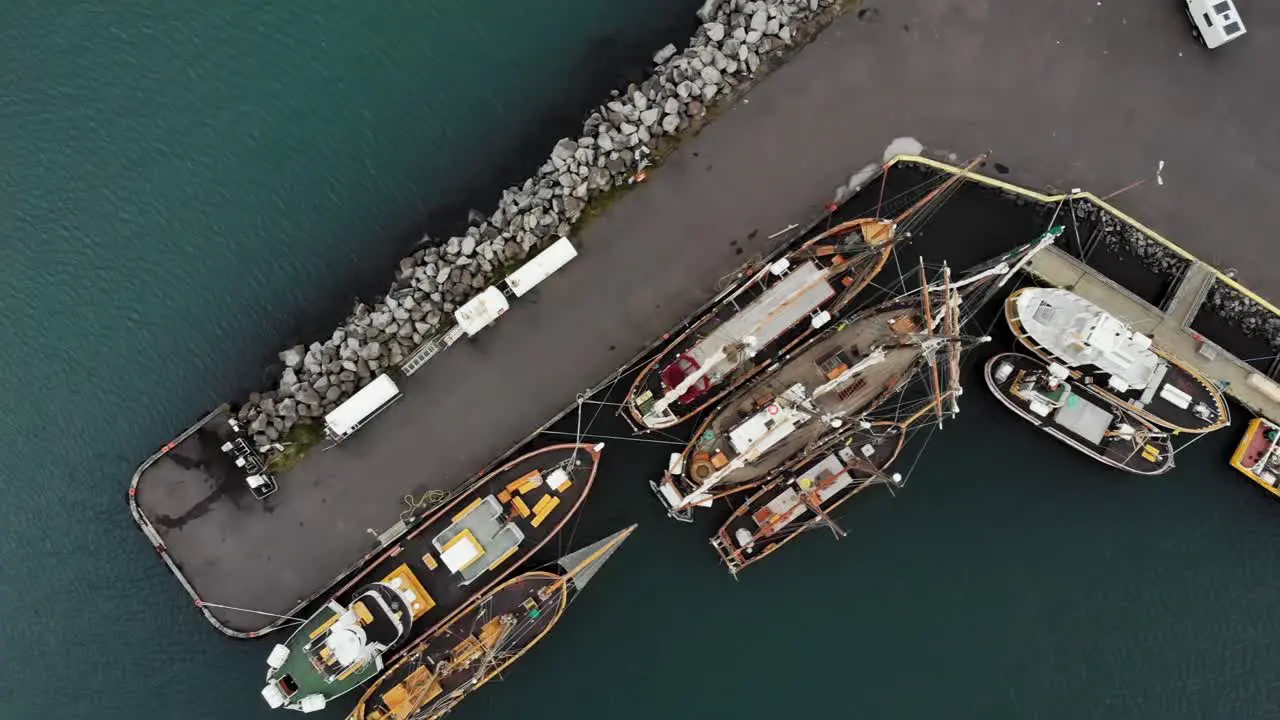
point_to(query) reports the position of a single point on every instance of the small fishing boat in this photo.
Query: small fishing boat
(804, 498)
(1120, 363)
(1258, 454)
(1072, 412)
(409, 590)
(771, 311)
(496, 630)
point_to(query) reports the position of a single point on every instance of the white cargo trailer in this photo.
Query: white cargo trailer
(355, 412)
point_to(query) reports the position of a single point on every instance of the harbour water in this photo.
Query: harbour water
(186, 191)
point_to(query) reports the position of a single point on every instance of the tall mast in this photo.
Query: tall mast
(952, 331)
(955, 178)
(930, 357)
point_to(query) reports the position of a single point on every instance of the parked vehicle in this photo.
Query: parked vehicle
(1214, 22)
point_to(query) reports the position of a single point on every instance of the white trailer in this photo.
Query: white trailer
(480, 311)
(360, 408)
(556, 256)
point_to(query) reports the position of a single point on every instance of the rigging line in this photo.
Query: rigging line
(607, 393)
(672, 437)
(1191, 442)
(1075, 224)
(204, 604)
(919, 454)
(602, 402)
(884, 180)
(617, 437)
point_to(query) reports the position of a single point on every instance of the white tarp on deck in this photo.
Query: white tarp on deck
(783, 305)
(1084, 418)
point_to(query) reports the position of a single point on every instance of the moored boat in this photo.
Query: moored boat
(1120, 363)
(774, 309)
(826, 388)
(804, 497)
(493, 632)
(1258, 454)
(1072, 412)
(409, 590)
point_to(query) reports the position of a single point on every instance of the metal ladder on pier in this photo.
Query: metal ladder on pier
(428, 350)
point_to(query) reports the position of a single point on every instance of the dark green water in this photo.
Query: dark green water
(184, 190)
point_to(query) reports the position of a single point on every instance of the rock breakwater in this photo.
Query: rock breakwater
(619, 140)
(1128, 240)
(1243, 312)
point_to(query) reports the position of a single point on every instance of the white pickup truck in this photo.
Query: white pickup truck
(1214, 22)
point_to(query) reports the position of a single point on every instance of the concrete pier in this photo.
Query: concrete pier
(1064, 96)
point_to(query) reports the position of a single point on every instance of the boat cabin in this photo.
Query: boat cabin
(479, 538)
(1051, 397)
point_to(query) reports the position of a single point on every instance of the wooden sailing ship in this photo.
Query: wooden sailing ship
(493, 632)
(409, 590)
(804, 498)
(831, 384)
(1121, 364)
(771, 311)
(816, 483)
(1075, 414)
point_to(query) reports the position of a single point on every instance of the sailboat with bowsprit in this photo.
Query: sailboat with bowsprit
(806, 492)
(774, 309)
(828, 387)
(492, 633)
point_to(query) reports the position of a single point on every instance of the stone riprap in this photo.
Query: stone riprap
(618, 138)
(1117, 234)
(1243, 312)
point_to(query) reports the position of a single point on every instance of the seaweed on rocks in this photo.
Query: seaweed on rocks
(738, 42)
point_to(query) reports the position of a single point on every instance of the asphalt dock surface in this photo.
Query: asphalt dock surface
(1066, 96)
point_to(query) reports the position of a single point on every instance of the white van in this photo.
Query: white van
(1215, 22)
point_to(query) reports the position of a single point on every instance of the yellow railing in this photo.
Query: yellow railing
(1041, 197)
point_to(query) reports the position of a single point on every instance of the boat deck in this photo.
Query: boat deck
(467, 636)
(480, 520)
(1085, 420)
(1254, 446)
(775, 514)
(769, 309)
(1204, 407)
(812, 368)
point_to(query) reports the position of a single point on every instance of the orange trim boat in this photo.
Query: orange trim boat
(1258, 454)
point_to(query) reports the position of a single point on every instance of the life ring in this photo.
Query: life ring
(774, 409)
